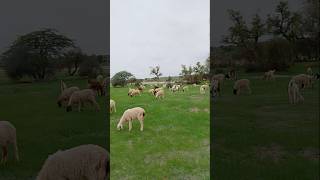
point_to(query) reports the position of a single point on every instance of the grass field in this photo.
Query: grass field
(175, 141)
(43, 128)
(261, 136)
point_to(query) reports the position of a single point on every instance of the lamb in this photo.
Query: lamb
(203, 88)
(131, 114)
(65, 95)
(8, 136)
(294, 93)
(160, 94)
(269, 75)
(241, 84)
(134, 92)
(303, 80)
(112, 106)
(89, 162)
(81, 97)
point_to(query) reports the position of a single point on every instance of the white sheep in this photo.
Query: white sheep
(294, 92)
(131, 114)
(112, 106)
(269, 75)
(135, 92)
(240, 85)
(203, 88)
(303, 81)
(130, 91)
(81, 97)
(160, 94)
(89, 162)
(65, 95)
(185, 88)
(151, 91)
(8, 136)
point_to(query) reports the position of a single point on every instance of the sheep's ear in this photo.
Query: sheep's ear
(63, 85)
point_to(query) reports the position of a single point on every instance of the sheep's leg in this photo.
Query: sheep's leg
(4, 154)
(141, 124)
(95, 104)
(130, 125)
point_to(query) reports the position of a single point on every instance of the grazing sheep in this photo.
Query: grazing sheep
(151, 91)
(65, 95)
(81, 97)
(112, 106)
(309, 71)
(96, 86)
(219, 77)
(269, 75)
(90, 162)
(240, 85)
(160, 94)
(131, 114)
(130, 91)
(194, 85)
(134, 92)
(215, 88)
(100, 79)
(8, 136)
(185, 88)
(175, 88)
(303, 81)
(157, 90)
(203, 88)
(294, 92)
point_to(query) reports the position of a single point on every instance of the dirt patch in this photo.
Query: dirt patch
(312, 154)
(273, 152)
(197, 98)
(194, 109)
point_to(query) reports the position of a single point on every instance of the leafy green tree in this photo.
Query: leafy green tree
(120, 79)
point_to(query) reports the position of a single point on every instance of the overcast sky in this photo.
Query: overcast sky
(168, 33)
(84, 21)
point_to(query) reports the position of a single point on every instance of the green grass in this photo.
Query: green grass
(43, 127)
(175, 140)
(261, 136)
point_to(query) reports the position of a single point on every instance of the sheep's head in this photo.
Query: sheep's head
(69, 108)
(119, 126)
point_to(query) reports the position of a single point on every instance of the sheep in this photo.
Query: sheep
(135, 92)
(156, 90)
(8, 136)
(203, 88)
(151, 91)
(309, 71)
(185, 88)
(294, 93)
(89, 161)
(130, 91)
(100, 79)
(175, 88)
(160, 94)
(131, 114)
(112, 106)
(194, 85)
(219, 77)
(215, 88)
(241, 84)
(303, 81)
(81, 97)
(65, 95)
(231, 75)
(269, 75)
(96, 86)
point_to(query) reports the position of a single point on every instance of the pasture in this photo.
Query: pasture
(175, 142)
(262, 136)
(43, 127)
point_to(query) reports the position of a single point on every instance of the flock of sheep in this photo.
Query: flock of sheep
(80, 162)
(295, 85)
(158, 92)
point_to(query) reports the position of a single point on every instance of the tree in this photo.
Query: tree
(156, 72)
(44, 46)
(72, 60)
(286, 23)
(90, 67)
(257, 29)
(120, 79)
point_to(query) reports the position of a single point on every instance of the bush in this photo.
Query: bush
(121, 79)
(90, 67)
